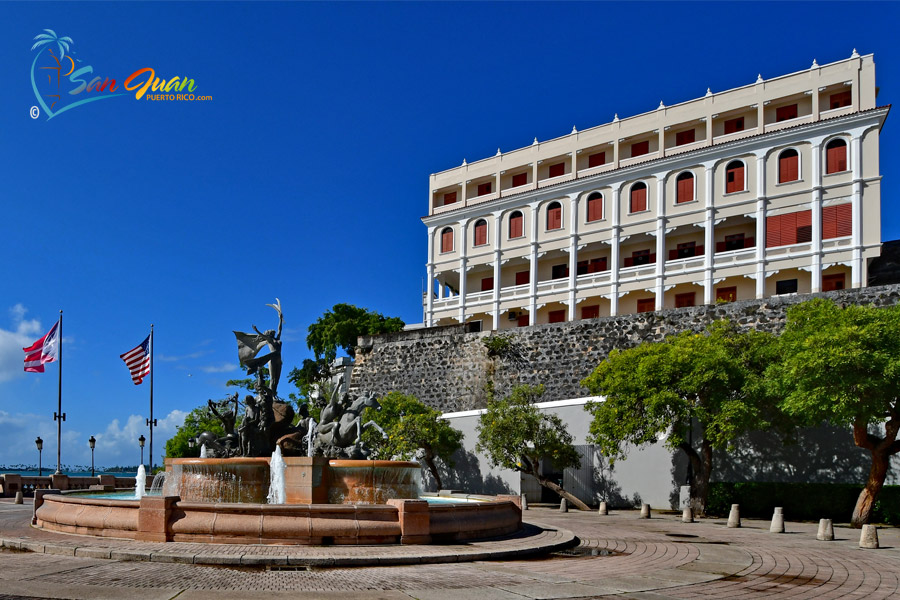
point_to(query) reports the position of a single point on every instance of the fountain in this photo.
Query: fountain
(140, 483)
(270, 481)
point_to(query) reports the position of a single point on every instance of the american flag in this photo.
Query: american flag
(138, 361)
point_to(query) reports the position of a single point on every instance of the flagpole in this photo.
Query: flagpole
(59, 416)
(151, 421)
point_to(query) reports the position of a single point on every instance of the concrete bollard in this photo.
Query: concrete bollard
(20, 499)
(826, 530)
(645, 511)
(777, 525)
(687, 515)
(603, 510)
(734, 517)
(563, 505)
(524, 501)
(868, 538)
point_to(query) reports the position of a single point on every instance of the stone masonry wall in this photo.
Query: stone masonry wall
(448, 368)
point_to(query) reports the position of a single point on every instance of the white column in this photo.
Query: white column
(708, 237)
(614, 252)
(573, 252)
(856, 161)
(660, 239)
(463, 263)
(429, 290)
(815, 207)
(498, 219)
(761, 225)
(533, 267)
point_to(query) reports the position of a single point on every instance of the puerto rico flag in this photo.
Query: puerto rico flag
(42, 351)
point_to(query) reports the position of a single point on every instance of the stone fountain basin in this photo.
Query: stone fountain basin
(170, 519)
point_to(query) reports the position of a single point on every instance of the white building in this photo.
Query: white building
(770, 188)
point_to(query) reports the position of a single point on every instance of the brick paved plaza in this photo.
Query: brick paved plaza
(646, 559)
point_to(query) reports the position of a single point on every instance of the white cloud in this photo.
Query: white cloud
(119, 443)
(23, 334)
(220, 368)
(169, 358)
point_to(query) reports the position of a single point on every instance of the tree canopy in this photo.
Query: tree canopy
(413, 428)
(656, 390)
(514, 434)
(340, 326)
(196, 422)
(842, 365)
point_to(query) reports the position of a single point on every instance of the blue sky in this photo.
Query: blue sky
(305, 176)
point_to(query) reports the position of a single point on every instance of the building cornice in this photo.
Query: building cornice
(749, 144)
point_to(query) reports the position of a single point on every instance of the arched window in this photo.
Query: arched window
(554, 216)
(480, 232)
(516, 225)
(836, 156)
(447, 239)
(684, 188)
(734, 177)
(595, 207)
(788, 166)
(638, 200)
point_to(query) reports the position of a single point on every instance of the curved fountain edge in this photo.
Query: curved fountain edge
(168, 519)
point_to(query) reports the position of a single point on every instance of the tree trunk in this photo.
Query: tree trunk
(862, 512)
(428, 457)
(550, 484)
(701, 464)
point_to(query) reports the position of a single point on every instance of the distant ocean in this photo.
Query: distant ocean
(50, 471)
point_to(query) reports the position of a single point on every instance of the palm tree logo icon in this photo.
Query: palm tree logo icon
(62, 65)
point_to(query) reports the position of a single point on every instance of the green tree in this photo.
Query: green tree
(249, 383)
(712, 380)
(340, 326)
(196, 422)
(842, 365)
(412, 428)
(312, 373)
(514, 434)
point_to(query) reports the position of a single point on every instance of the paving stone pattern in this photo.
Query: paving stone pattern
(655, 559)
(448, 368)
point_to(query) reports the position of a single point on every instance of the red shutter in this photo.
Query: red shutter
(595, 209)
(447, 241)
(487, 284)
(638, 199)
(734, 125)
(484, 188)
(685, 191)
(836, 158)
(652, 258)
(640, 148)
(804, 226)
(481, 234)
(685, 300)
(788, 168)
(557, 170)
(554, 218)
(556, 316)
(520, 179)
(646, 305)
(840, 100)
(734, 179)
(720, 247)
(773, 231)
(515, 226)
(523, 321)
(629, 262)
(590, 312)
(837, 221)
(449, 198)
(783, 113)
(726, 294)
(749, 242)
(684, 137)
(673, 254)
(834, 282)
(596, 159)
(698, 251)
(523, 277)
(829, 222)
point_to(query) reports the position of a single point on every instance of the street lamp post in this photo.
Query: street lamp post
(40, 446)
(92, 441)
(141, 441)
